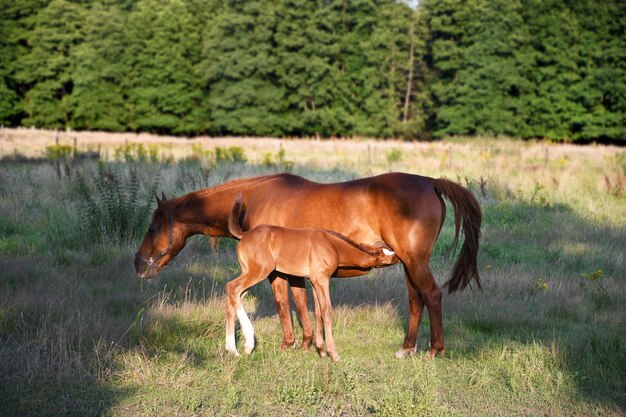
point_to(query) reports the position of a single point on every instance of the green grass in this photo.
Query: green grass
(81, 335)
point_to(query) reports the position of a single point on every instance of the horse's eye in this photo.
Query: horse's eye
(152, 230)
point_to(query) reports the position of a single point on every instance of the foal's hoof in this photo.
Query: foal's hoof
(334, 357)
(306, 344)
(404, 353)
(233, 352)
(288, 344)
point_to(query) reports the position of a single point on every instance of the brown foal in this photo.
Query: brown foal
(313, 253)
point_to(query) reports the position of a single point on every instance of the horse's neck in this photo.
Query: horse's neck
(207, 211)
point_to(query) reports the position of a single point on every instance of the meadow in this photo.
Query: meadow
(80, 334)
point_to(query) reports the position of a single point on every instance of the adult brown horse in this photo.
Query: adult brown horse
(405, 211)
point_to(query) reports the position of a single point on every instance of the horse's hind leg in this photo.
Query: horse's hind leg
(423, 281)
(416, 307)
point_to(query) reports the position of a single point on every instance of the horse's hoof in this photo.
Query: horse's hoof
(404, 353)
(248, 349)
(432, 353)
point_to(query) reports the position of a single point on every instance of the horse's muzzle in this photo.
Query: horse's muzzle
(143, 268)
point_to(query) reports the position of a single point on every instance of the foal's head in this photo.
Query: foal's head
(162, 242)
(386, 255)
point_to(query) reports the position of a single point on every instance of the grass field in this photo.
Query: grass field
(80, 334)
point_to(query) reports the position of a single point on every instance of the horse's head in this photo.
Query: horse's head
(162, 242)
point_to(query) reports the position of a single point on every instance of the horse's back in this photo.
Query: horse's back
(381, 196)
(362, 209)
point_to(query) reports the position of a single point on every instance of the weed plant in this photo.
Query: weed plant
(114, 207)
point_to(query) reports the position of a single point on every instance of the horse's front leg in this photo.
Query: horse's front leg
(298, 291)
(280, 289)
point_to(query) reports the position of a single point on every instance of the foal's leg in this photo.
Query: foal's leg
(322, 287)
(231, 307)
(246, 327)
(319, 324)
(234, 289)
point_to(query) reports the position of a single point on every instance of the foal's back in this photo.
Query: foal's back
(299, 252)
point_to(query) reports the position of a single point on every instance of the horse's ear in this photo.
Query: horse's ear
(163, 196)
(159, 201)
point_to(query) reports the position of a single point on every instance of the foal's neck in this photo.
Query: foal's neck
(354, 254)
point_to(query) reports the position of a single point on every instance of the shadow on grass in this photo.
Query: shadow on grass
(75, 396)
(550, 277)
(61, 332)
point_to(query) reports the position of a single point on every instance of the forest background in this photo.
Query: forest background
(524, 68)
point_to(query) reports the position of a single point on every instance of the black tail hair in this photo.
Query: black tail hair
(468, 217)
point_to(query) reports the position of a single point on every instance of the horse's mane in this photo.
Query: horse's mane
(194, 195)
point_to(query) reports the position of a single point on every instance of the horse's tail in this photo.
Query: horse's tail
(468, 217)
(234, 226)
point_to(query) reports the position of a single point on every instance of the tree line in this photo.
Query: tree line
(524, 68)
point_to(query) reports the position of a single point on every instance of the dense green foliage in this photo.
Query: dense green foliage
(526, 68)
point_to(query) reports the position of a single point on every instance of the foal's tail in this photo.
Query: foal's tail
(234, 226)
(468, 217)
